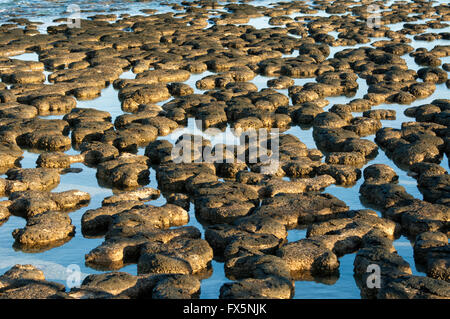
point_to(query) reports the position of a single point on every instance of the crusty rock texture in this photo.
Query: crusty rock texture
(268, 139)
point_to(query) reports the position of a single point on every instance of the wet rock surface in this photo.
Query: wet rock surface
(31, 203)
(126, 171)
(300, 209)
(44, 229)
(18, 179)
(431, 250)
(327, 79)
(28, 282)
(415, 287)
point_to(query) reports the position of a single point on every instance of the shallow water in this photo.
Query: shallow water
(54, 261)
(344, 288)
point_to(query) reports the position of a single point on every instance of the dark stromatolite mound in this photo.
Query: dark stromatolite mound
(151, 248)
(97, 152)
(431, 250)
(159, 151)
(88, 125)
(58, 159)
(146, 231)
(28, 282)
(126, 171)
(10, 156)
(436, 112)
(254, 233)
(36, 133)
(31, 203)
(245, 208)
(343, 140)
(433, 75)
(50, 104)
(4, 212)
(299, 209)
(415, 143)
(95, 222)
(179, 255)
(130, 138)
(346, 158)
(420, 216)
(391, 266)
(380, 188)
(415, 216)
(142, 194)
(353, 231)
(19, 179)
(173, 176)
(309, 256)
(45, 229)
(415, 287)
(268, 288)
(124, 285)
(343, 174)
(217, 202)
(17, 110)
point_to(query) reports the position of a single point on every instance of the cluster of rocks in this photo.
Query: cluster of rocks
(245, 204)
(414, 143)
(48, 224)
(148, 235)
(338, 135)
(18, 179)
(395, 279)
(28, 282)
(381, 190)
(431, 250)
